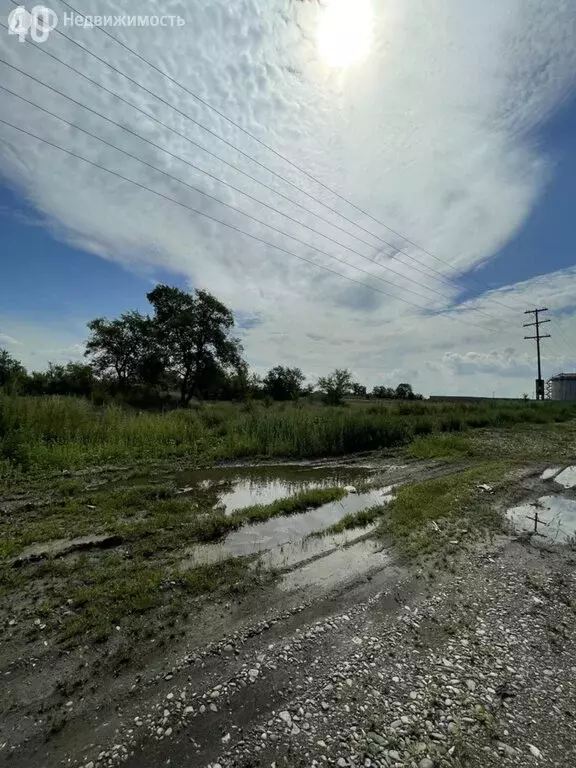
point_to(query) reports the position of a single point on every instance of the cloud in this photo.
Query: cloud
(507, 362)
(5, 339)
(431, 133)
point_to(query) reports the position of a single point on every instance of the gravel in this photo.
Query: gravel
(477, 669)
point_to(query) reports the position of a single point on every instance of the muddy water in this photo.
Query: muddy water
(279, 531)
(557, 517)
(235, 487)
(567, 478)
(340, 565)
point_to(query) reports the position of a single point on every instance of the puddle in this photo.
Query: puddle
(549, 473)
(557, 515)
(337, 567)
(237, 487)
(295, 553)
(567, 478)
(279, 531)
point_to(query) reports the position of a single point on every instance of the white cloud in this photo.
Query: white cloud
(10, 340)
(430, 133)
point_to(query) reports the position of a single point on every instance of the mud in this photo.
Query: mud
(64, 705)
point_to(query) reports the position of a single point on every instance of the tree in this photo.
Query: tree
(125, 349)
(359, 390)
(404, 392)
(383, 393)
(193, 332)
(335, 386)
(282, 383)
(12, 372)
(71, 379)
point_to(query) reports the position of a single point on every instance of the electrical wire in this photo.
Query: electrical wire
(274, 151)
(210, 175)
(439, 275)
(253, 159)
(228, 225)
(212, 197)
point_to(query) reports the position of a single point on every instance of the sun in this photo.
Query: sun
(345, 32)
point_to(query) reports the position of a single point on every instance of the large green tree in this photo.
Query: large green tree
(194, 334)
(335, 386)
(125, 349)
(282, 383)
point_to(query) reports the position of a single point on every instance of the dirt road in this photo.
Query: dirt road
(474, 665)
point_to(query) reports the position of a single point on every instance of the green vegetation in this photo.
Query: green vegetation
(361, 519)
(423, 517)
(291, 505)
(54, 433)
(150, 518)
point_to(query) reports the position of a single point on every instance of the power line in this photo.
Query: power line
(253, 159)
(279, 155)
(215, 199)
(210, 175)
(540, 394)
(228, 225)
(566, 340)
(451, 283)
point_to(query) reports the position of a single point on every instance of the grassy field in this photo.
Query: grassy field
(56, 433)
(53, 487)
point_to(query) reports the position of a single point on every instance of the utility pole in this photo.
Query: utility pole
(537, 324)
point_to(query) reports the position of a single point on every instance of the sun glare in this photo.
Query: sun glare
(345, 32)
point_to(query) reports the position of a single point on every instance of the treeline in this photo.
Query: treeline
(183, 350)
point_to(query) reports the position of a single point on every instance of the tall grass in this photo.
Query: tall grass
(67, 432)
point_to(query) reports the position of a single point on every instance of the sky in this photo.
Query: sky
(398, 180)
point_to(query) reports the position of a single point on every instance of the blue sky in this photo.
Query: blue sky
(452, 124)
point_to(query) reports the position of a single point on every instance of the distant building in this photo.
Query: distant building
(562, 387)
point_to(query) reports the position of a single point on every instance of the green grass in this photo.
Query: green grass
(361, 519)
(523, 442)
(53, 433)
(113, 591)
(291, 505)
(454, 503)
(150, 517)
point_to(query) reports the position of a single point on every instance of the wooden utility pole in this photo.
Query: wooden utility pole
(537, 324)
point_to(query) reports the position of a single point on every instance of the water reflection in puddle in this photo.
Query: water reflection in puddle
(337, 567)
(279, 531)
(237, 487)
(567, 478)
(549, 473)
(556, 513)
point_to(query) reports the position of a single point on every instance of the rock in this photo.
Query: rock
(394, 755)
(471, 685)
(295, 730)
(168, 732)
(426, 763)
(89, 765)
(285, 716)
(507, 749)
(226, 739)
(535, 751)
(341, 763)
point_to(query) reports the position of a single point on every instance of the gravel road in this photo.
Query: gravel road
(477, 669)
